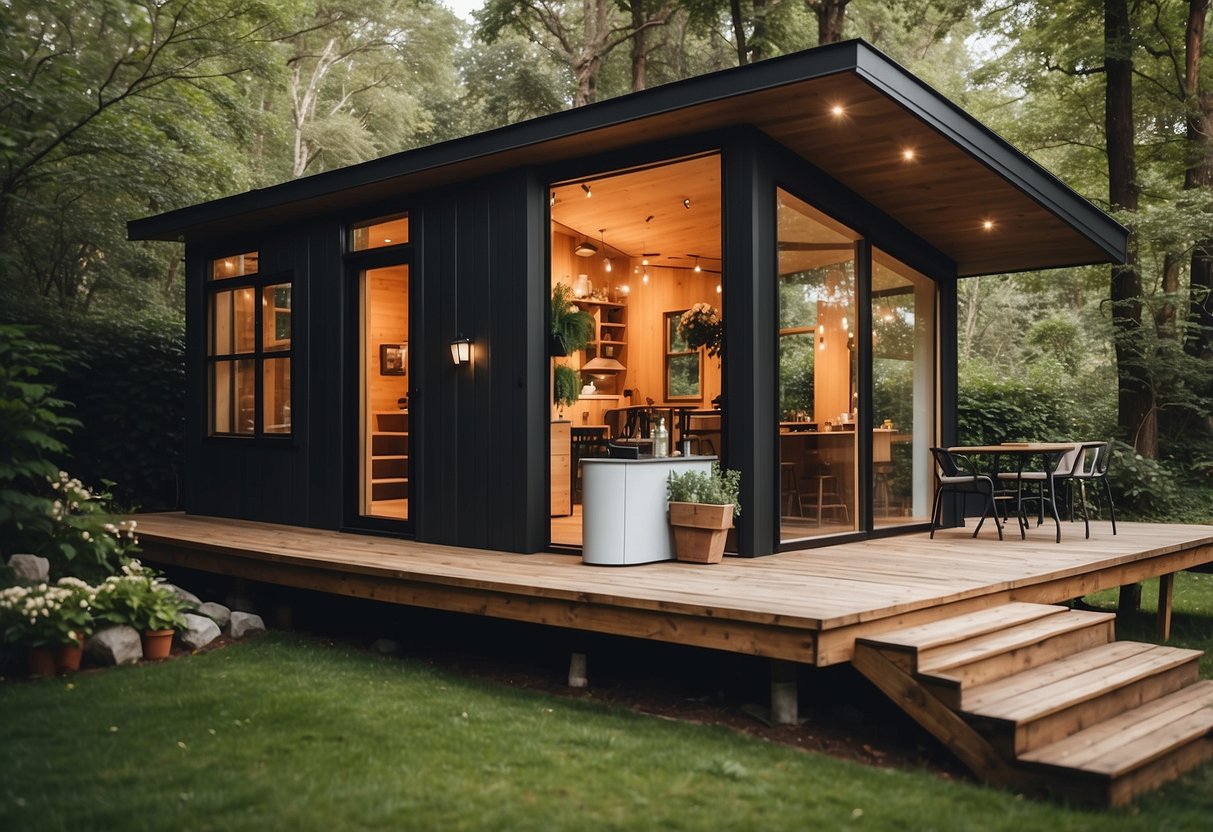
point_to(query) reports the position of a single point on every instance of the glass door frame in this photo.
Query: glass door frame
(356, 264)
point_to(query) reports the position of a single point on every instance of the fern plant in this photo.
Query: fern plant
(572, 327)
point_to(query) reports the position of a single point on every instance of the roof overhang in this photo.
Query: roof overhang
(961, 174)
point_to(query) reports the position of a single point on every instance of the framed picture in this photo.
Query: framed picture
(393, 359)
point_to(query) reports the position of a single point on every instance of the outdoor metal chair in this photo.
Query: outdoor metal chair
(958, 474)
(1046, 481)
(1094, 468)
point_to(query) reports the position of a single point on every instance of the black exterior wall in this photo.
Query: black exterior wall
(479, 463)
(479, 454)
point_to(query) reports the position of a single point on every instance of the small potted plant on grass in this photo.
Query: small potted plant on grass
(702, 508)
(138, 599)
(44, 618)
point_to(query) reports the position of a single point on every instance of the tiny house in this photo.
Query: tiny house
(368, 348)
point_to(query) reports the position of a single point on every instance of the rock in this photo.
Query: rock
(199, 631)
(115, 645)
(386, 646)
(243, 623)
(30, 569)
(218, 613)
(185, 595)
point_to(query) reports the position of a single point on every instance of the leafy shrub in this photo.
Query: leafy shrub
(1146, 485)
(43, 510)
(32, 426)
(139, 599)
(126, 377)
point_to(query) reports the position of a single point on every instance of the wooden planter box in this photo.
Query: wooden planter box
(700, 530)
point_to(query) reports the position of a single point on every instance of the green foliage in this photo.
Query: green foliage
(567, 386)
(717, 488)
(43, 614)
(32, 424)
(115, 368)
(571, 325)
(44, 510)
(1148, 485)
(992, 408)
(138, 599)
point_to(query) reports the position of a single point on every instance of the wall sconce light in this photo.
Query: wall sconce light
(461, 351)
(821, 336)
(698, 268)
(586, 188)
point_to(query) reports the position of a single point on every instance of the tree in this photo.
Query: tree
(580, 36)
(351, 63)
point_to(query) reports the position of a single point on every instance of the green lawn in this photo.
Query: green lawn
(288, 732)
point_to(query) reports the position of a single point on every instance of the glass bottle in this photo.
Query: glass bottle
(661, 439)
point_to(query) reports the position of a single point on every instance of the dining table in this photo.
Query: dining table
(1048, 452)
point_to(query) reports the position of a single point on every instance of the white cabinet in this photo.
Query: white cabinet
(624, 516)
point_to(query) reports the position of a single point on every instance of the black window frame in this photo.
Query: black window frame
(258, 282)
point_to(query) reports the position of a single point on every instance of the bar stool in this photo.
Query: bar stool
(789, 489)
(829, 496)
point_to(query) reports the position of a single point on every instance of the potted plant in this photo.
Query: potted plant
(138, 599)
(571, 326)
(701, 326)
(702, 508)
(566, 387)
(43, 618)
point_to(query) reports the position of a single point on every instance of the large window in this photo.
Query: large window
(683, 370)
(903, 391)
(249, 344)
(817, 386)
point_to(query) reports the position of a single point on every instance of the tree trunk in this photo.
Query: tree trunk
(743, 55)
(1137, 415)
(640, 46)
(758, 43)
(830, 16)
(1199, 174)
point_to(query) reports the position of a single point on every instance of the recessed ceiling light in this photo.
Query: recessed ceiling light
(988, 225)
(837, 110)
(908, 154)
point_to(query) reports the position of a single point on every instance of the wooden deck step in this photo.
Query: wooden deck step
(907, 646)
(953, 669)
(1046, 701)
(1122, 757)
(1050, 702)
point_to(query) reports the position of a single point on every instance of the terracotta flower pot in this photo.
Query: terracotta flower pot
(157, 644)
(700, 530)
(42, 661)
(68, 656)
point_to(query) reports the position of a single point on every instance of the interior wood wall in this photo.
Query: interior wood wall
(668, 290)
(387, 322)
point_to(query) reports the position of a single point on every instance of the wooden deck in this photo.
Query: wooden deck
(805, 606)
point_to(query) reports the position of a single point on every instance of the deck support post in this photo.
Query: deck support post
(577, 671)
(785, 694)
(1130, 599)
(1166, 589)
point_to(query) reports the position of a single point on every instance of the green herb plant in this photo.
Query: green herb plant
(719, 487)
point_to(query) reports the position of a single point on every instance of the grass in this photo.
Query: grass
(293, 732)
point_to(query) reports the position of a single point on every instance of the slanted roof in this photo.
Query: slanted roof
(961, 174)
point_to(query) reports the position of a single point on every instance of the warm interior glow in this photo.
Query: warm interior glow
(380, 232)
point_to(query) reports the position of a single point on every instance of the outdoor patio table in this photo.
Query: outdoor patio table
(1049, 452)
